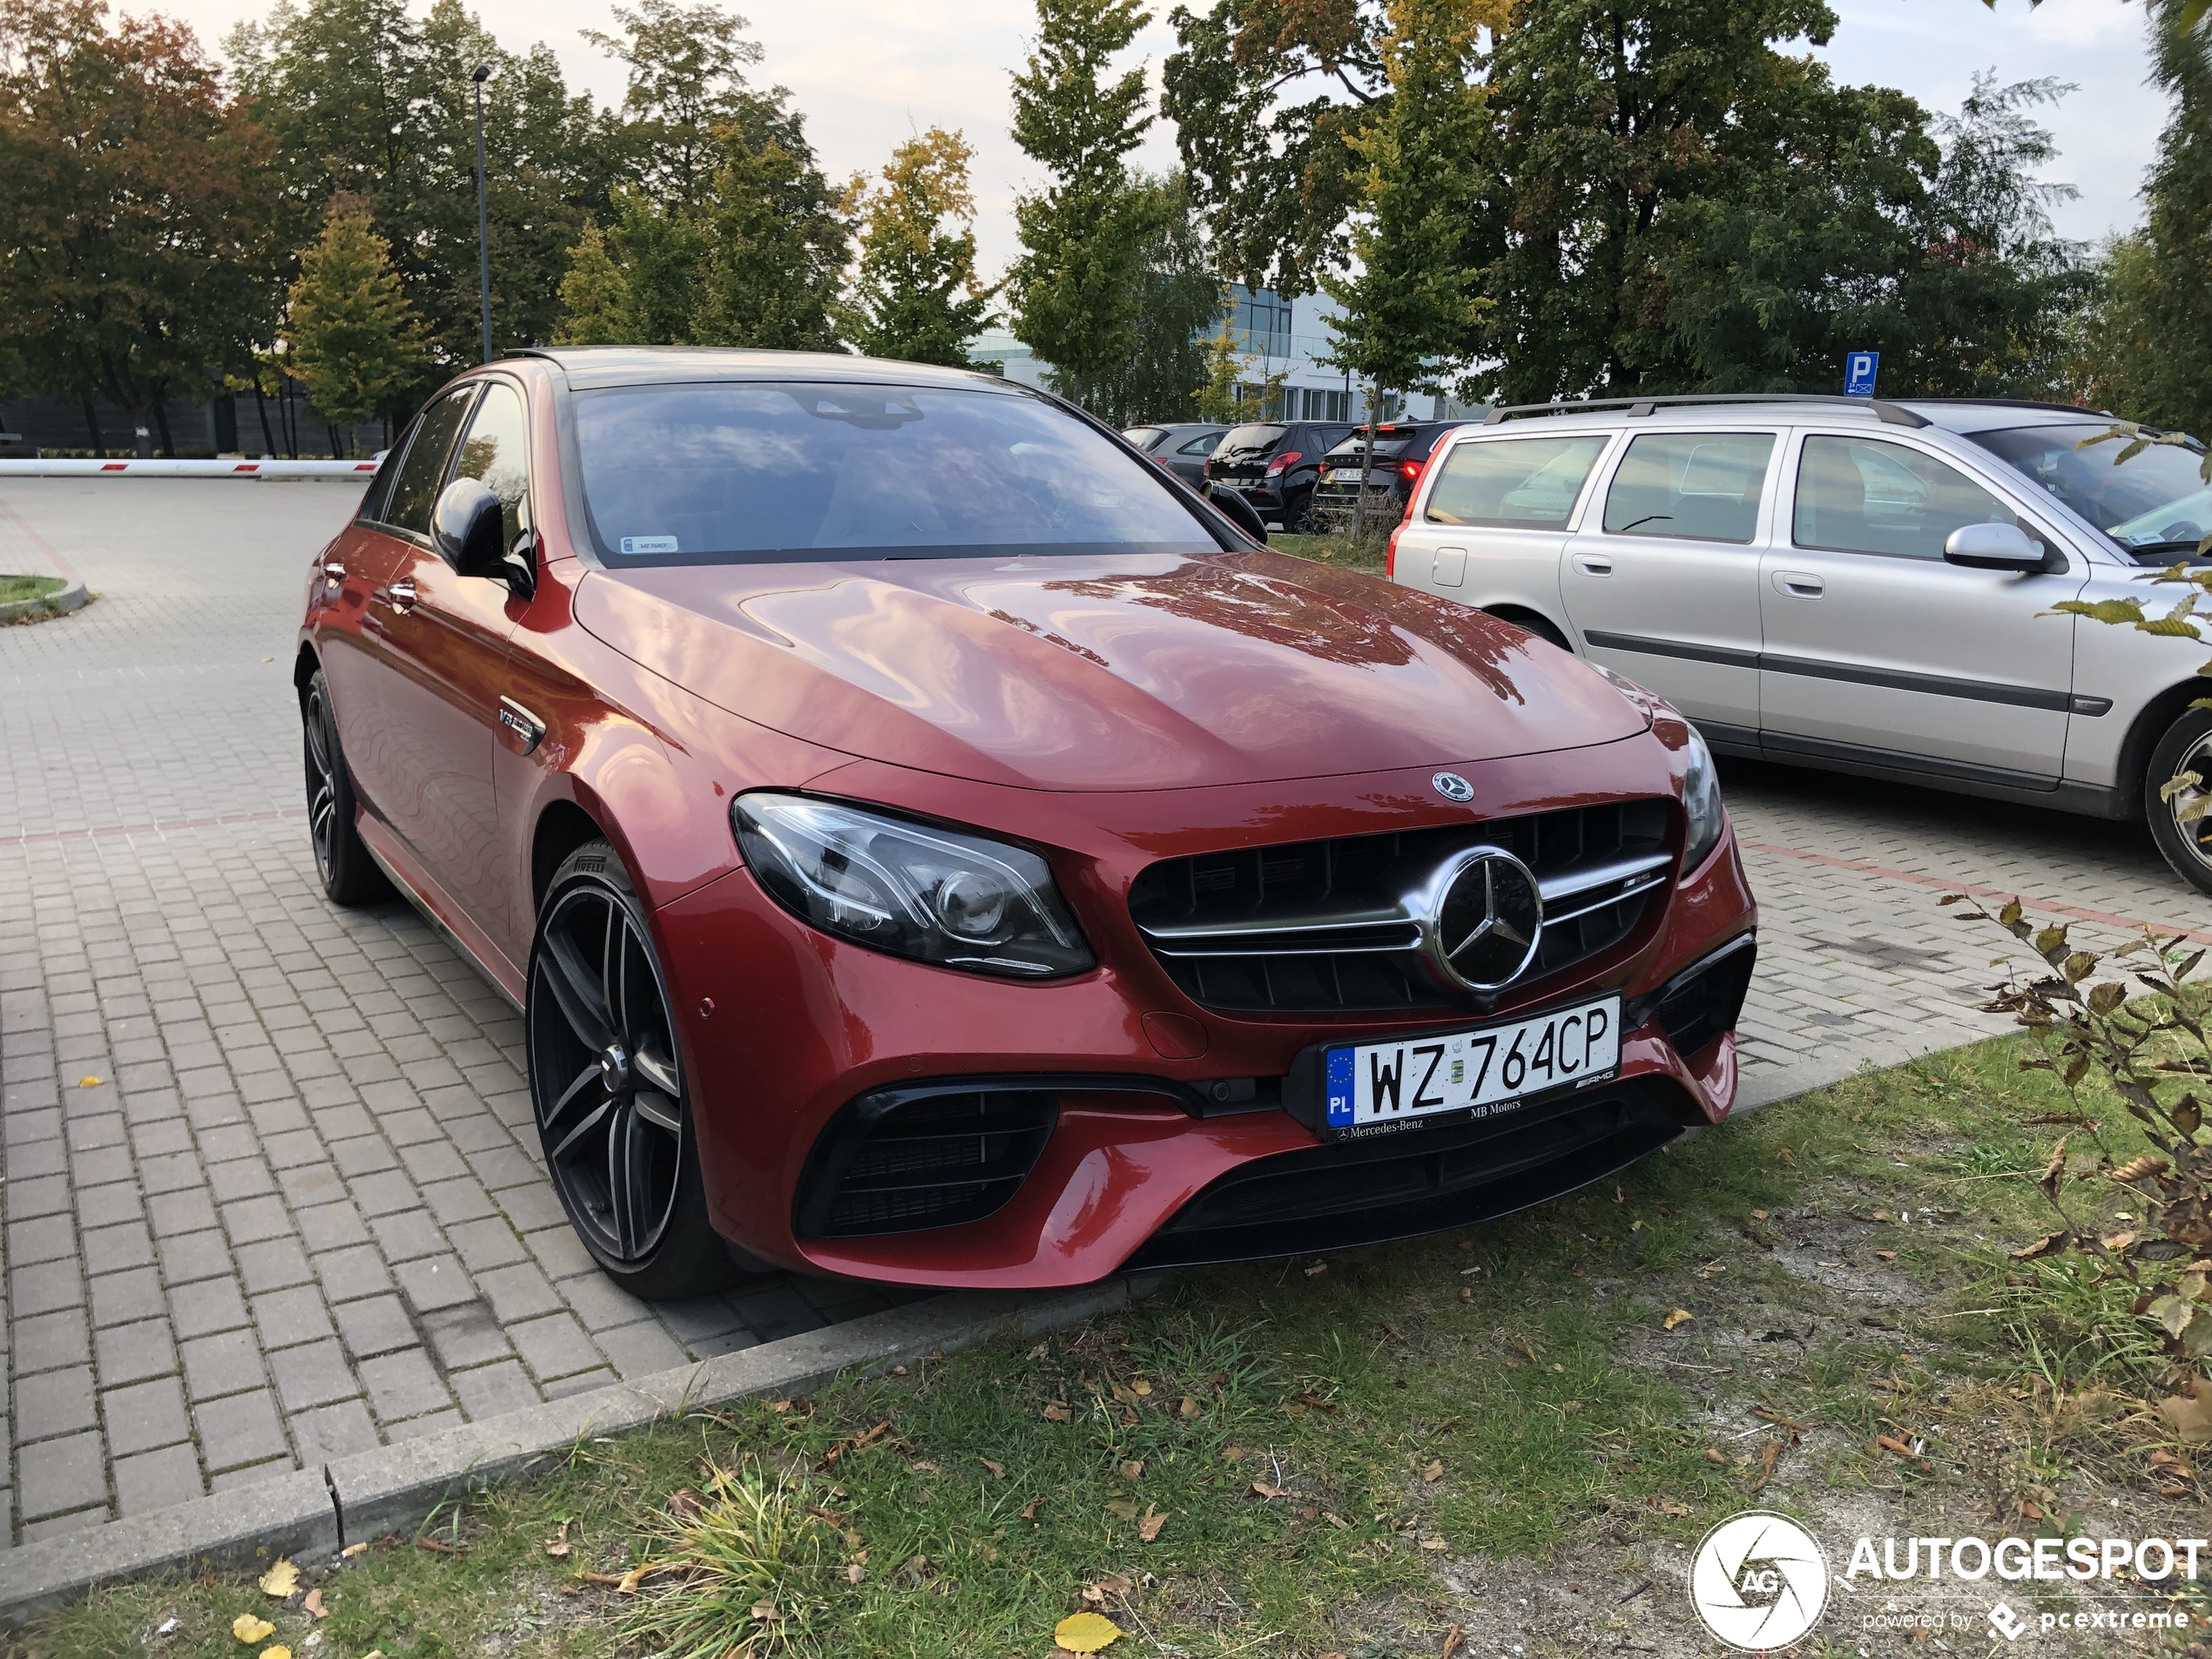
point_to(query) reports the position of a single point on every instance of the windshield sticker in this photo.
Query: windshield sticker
(649, 544)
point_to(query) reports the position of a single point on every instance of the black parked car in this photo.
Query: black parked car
(1402, 448)
(1275, 465)
(1182, 448)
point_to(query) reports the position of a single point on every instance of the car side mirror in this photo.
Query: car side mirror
(1232, 506)
(1995, 547)
(469, 530)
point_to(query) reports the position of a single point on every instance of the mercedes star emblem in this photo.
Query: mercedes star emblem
(1452, 787)
(1485, 920)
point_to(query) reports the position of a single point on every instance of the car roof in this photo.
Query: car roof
(1960, 415)
(597, 366)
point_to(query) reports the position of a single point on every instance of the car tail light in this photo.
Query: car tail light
(1410, 471)
(1390, 558)
(1206, 469)
(1282, 462)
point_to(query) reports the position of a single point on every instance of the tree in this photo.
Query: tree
(1179, 300)
(777, 243)
(592, 294)
(2146, 348)
(917, 297)
(135, 237)
(1218, 395)
(1074, 289)
(1406, 306)
(1275, 180)
(686, 66)
(353, 339)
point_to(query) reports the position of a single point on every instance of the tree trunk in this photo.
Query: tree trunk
(261, 413)
(336, 452)
(161, 424)
(92, 427)
(1367, 469)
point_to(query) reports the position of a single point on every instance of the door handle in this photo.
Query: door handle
(1799, 584)
(1592, 564)
(334, 571)
(401, 595)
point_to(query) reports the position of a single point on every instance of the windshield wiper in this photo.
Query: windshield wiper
(1649, 518)
(2188, 544)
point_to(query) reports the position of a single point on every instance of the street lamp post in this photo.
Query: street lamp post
(482, 74)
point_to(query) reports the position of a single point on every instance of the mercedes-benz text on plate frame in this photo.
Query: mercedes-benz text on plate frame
(1377, 1087)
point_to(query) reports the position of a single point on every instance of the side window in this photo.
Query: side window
(1202, 445)
(497, 450)
(1862, 495)
(422, 470)
(379, 487)
(1513, 483)
(1699, 486)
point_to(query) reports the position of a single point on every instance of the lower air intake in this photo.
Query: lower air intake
(932, 1155)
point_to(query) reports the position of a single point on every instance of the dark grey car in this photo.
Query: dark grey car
(1182, 448)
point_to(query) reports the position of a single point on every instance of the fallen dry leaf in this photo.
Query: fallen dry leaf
(1678, 1318)
(1785, 1154)
(1884, 1255)
(558, 1546)
(683, 1505)
(1233, 1453)
(1714, 1456)
(1266, 1491)
(1666, 1508)
(779, 1406)
(854, 1573)
(1132, 1470)
(88, 1082)
(1149, 1528)
(1452, 1640)
(1029, 1509)
(247, 1627)
(1433, 1470)
(1466, 1295)
(1435, 1543)
(1086, 1632)
(1057, 1411)
(2190, 1413)
(1316, 1402)
(1189, 1407)
(1140, 1388)
(280, 1580)
(314, 1604)
(276, 1653)
(995, 1466)
(1123, 1508)
(1769, 1456)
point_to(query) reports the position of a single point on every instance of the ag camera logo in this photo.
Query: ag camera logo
(1758, 1580)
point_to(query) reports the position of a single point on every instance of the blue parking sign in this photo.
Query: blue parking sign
(1859, 370)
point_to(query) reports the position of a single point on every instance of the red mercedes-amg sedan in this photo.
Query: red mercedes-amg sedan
(928, 842)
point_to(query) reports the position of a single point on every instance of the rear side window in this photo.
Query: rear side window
(1513, 483)
(1202, 445)
(1698, 485)
(422, 473)
(1861, 496)
(1145, 437)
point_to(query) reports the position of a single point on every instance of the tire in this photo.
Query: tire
(1529, 623)
(350, 877)
(608, 1089)
(2185, 747)
(1298, 513)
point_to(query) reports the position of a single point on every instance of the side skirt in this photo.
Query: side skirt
(417, 887)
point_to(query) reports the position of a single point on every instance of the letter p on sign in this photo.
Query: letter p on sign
(1859, 370)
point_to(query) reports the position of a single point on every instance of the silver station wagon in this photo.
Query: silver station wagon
(1857, 584)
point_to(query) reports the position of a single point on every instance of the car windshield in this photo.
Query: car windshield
(1251, 440)
(2154, 501)
(755, 472)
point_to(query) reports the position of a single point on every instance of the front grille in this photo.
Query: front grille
(1348, 1194)
(931, 1155)
(1318, 925)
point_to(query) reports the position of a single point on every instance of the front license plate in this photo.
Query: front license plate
(1377, 1087)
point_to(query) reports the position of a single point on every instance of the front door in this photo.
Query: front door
(447, 635)
(1664, 585)
(1878, 650)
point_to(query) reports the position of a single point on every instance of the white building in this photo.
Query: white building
(1279, 336)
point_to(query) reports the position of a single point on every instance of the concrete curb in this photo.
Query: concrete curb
(72, 597)
(313, 1512)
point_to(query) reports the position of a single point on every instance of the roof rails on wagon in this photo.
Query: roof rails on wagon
(1895, 415)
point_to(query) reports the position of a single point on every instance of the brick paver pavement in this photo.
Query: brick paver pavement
(302, 1209)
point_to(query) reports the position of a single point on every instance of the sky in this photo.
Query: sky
(869, 73)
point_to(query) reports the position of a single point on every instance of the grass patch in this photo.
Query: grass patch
(13, 587)
(1337, 1455)
(1337, 550)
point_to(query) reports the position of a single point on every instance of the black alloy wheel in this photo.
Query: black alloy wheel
(607, 1084)
(1298, 513)
(349, 875)
(2180, 818)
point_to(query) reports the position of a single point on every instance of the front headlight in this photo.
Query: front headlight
(913, 889)
(1701, 799)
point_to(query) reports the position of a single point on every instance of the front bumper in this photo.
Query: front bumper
(1128, 1158)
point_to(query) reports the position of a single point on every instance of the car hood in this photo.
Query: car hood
(1134, 672)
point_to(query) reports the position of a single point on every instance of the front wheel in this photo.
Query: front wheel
(2177, 797)
(607, 1082)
